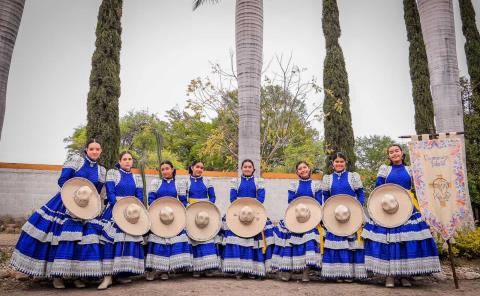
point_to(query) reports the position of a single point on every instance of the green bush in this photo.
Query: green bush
(467, 245)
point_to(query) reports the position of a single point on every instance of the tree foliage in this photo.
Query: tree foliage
(207, 128)
(102, 102)
(336, 106)
(419, 75)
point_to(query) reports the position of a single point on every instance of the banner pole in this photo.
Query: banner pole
(452, 264)
(432, 135)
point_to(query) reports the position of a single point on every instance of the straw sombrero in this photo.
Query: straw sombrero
(168, 217)
(246, 217)
(342, 215)
(389, 205)
(131, 216)
(81, 198)
(303, 214)
(203, 221)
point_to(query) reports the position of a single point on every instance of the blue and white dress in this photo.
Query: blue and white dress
(168, 254)
(53, 243)
(343, 257)
(406, 250)
(205, 254)
(122, 253)
(298, 251)
(247, 255)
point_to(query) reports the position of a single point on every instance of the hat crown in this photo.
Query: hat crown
(132, 213)
(342, 213)
(166, 215)
(302, 213)
(389, 204)
(246, 215)
(82, 196)
(202, 219)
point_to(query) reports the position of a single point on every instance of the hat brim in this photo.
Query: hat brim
(382, 218)
(67, 193)
(211, 229)
(356, 215)
(179, 214)
(143, 224)
(246, 230)
(291, 221)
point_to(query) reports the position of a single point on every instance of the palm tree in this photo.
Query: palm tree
(438, 27)
(249, 58)
(11, 12)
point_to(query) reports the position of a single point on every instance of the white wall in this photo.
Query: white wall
(22, 191)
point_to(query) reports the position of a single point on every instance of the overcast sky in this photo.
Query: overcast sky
(165, 45)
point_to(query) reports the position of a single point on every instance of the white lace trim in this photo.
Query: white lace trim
(78, 236)
(154, 185)
(384, 170)
(260, 183)
(217, 239)
(296, 240)
(234, 183)
(102, 174)
(76, 268)
(138, 181)
(28, 265)
(114, 175)
(37, 233)
(161, 263)
(243, 266)
(74, 161)
(239, 241)
(354, 180)
(206, 263)
(181, 186)
(128, 264)
(343, 270)
(403, 267)
(311, 258)
(118, 237)
(153, 238)
(397, 237)
(343, 245)
(326, 182)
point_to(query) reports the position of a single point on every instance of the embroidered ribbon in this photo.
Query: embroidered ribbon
(414, 200)
(320, 230)
(359, 235)
(193, 200)
(264, 247)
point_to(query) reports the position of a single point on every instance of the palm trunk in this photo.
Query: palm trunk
(438, 27)
(249, 46)
(11, 12)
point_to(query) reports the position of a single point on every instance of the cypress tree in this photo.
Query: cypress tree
(472, 45)
(422, 98)
(336, 106)
(102, 102)
(471, 99)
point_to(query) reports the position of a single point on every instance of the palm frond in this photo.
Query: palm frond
(198, 3)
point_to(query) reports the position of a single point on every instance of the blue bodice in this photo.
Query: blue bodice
(247, 187)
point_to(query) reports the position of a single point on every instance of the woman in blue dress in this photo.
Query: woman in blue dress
(205, 254)
(123, 254)
(55, 244)
(403, 251)
(298, 251)
(247, 256)
(168, 254)
(343, 257)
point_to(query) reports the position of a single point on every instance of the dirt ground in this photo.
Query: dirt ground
(184, 284)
